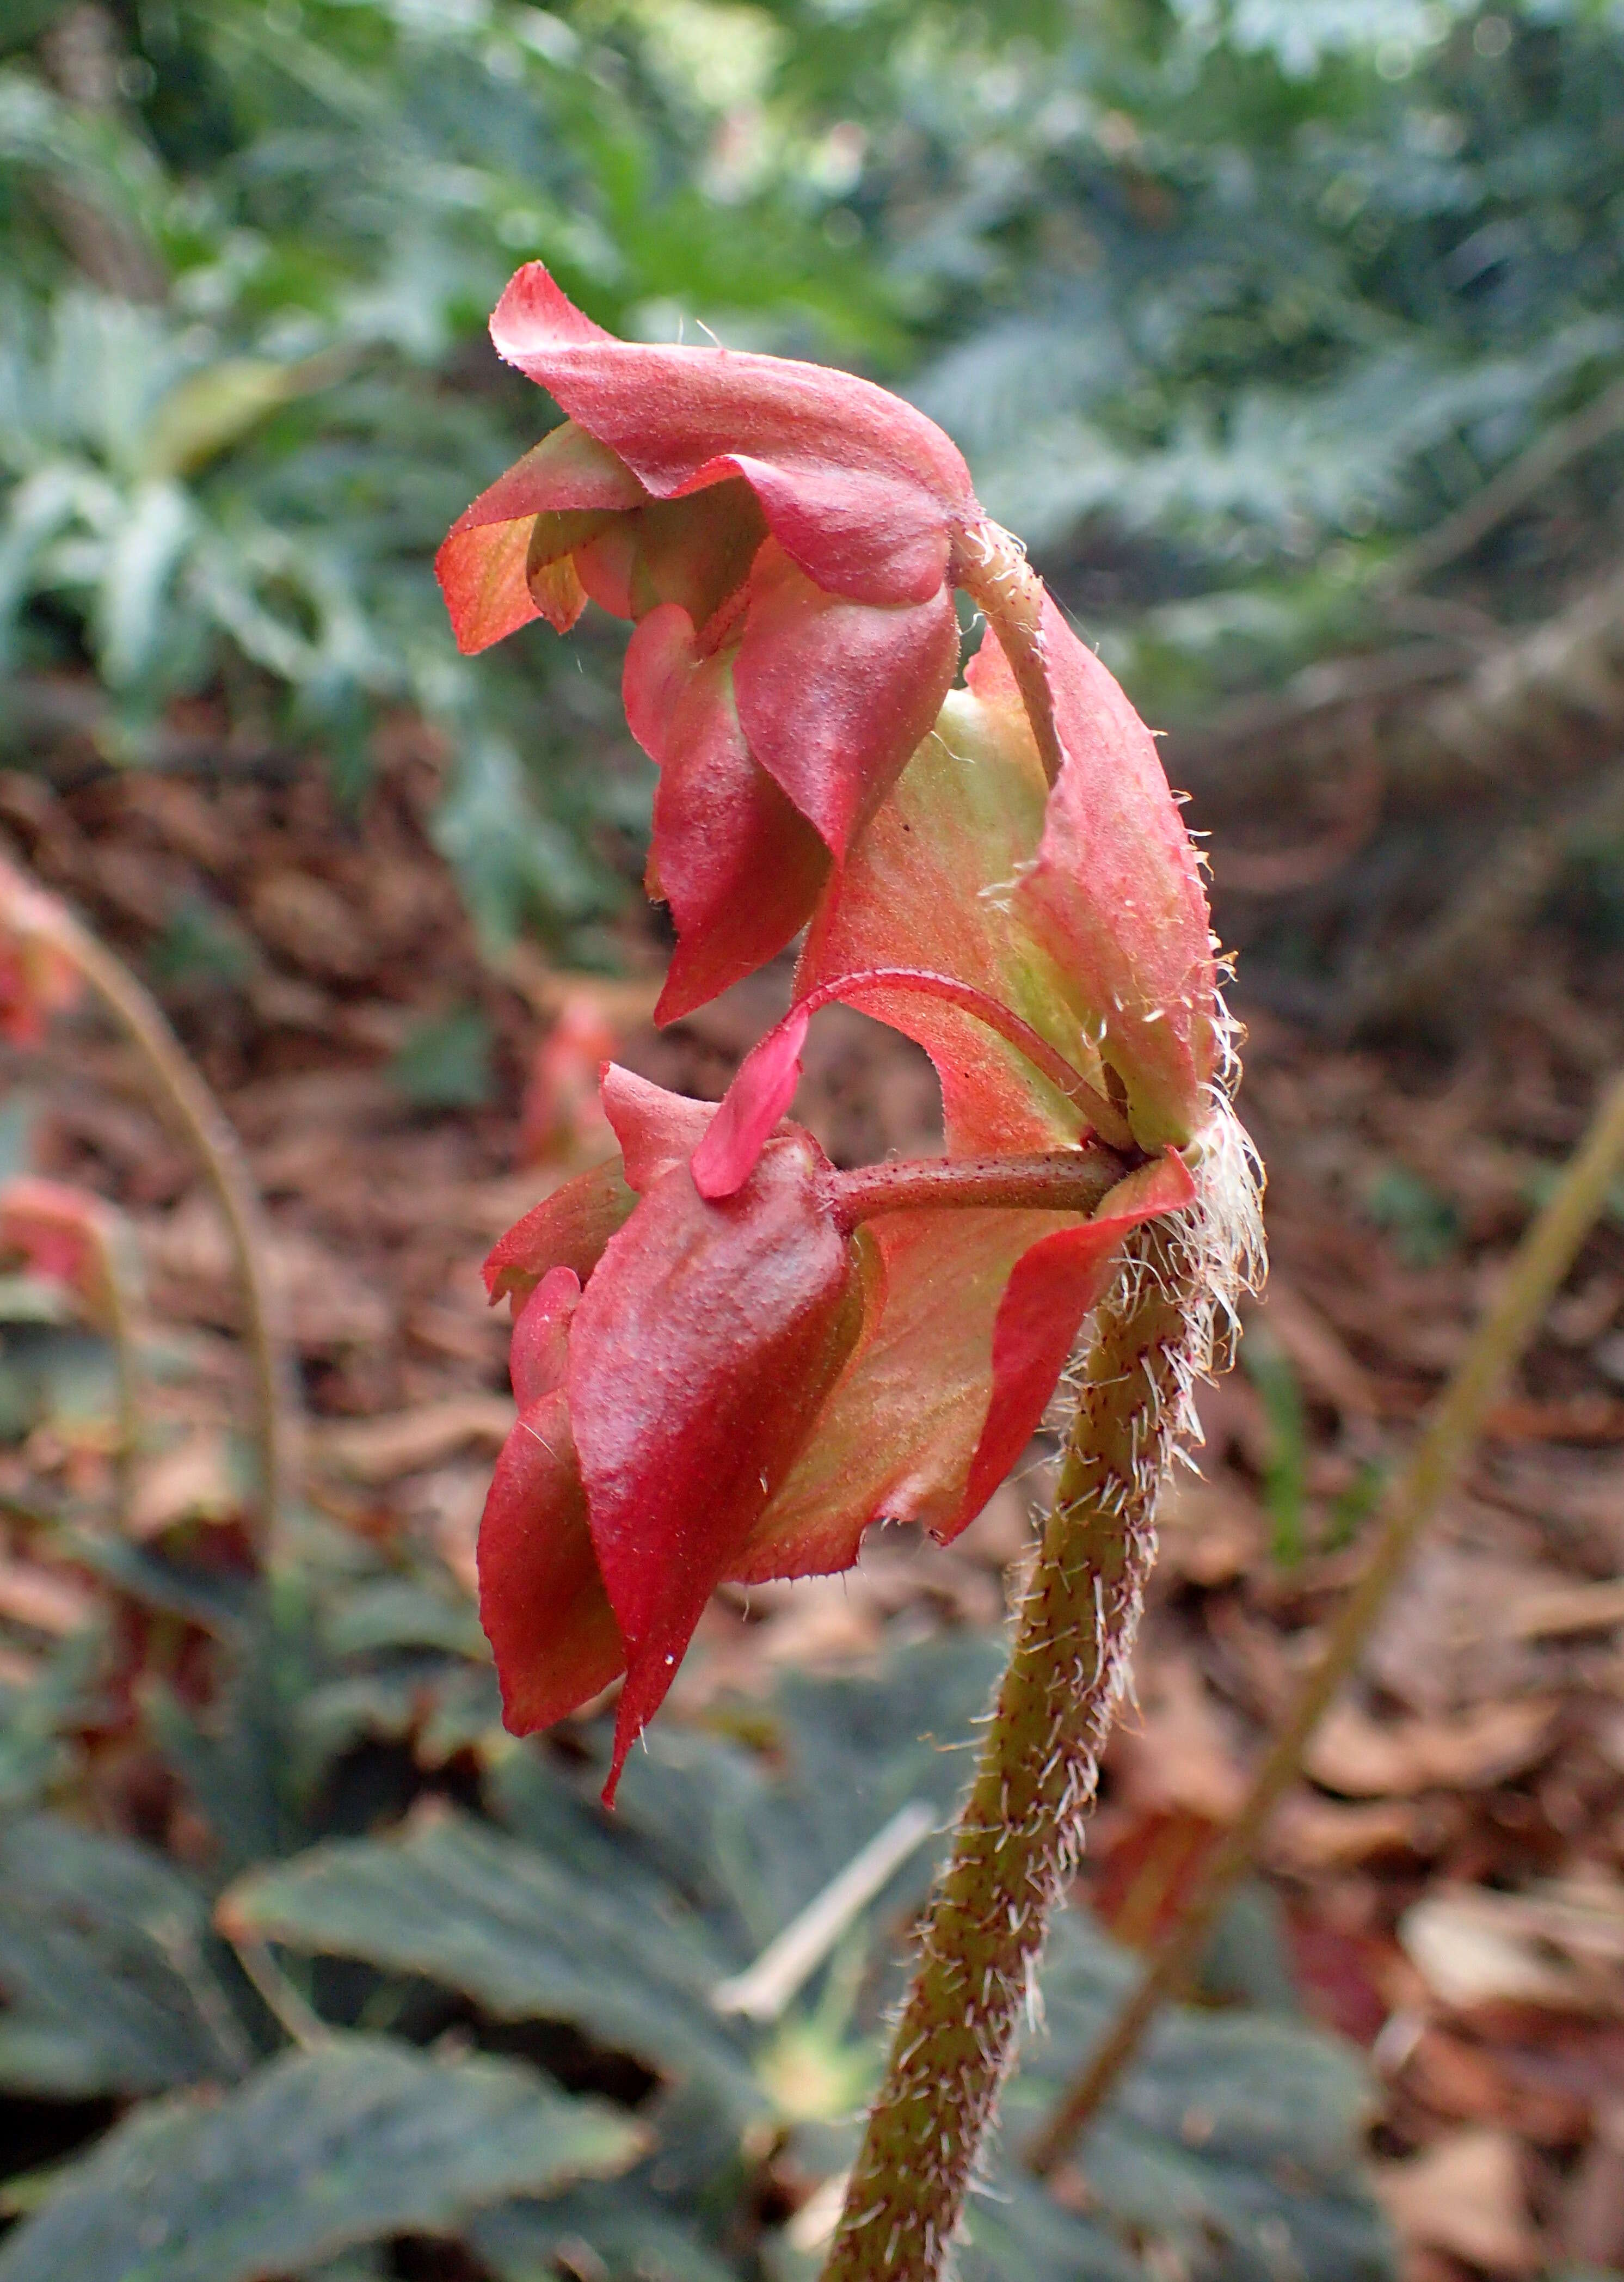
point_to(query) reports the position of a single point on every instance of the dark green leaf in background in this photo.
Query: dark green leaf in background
(360, 2139)
(110, 1975)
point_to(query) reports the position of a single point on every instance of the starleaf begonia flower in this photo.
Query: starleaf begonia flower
(782, 535)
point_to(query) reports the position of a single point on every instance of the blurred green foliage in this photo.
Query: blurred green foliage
(1225, 298)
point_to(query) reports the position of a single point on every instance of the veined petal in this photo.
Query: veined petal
(541, 1593)
(740, 866)
(959, 1356)
(699, 1353)
(857, 485)
(833, 696)
(1116, 899)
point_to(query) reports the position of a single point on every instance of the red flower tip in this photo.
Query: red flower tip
(62, 1234)
(761, 1091)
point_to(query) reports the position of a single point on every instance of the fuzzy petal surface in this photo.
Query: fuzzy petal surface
(858, 487)
(1116, 899)
(700, 1354)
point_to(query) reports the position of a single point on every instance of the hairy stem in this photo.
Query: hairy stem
(1538, 1266)
(993, 570)
(1020, 1831)
(219, 1154)
(1064, 1180)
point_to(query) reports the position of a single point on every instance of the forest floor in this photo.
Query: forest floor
(1450, 1873)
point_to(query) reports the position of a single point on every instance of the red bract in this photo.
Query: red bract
(37, 978)
(782, 534)
(747, 1381)
(62, 1234)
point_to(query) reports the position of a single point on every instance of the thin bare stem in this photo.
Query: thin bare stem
(1537, 1267)
(279, 1997)
(1062, 1180)
(193, 1108)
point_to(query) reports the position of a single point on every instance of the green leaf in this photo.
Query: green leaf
(629, 2235)
(458, 1903)
(1235, 2144)
(109, 1967)
(320, 2150)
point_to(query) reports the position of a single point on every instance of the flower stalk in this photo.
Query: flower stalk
(1020, 1832)
(1537, 1267)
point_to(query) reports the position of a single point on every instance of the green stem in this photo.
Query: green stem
(1537, 1267)
(1020, 1831)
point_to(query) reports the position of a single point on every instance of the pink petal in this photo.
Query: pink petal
(834, 696)
(699, 1353)
(858, 487)
(570, 1228)
(929, 885)
(541, 1593)
(895, 1440)
(656, 1130)
(1116, 899)
(761, 1092)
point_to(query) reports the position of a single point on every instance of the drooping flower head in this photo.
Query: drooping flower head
(736, 1385)
(786, 539)
(781, 533)
(729, 1357)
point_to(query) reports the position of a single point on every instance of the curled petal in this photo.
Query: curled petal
(740, 866)
(858, 487)
(570, 1228)
(1114, 896)
(541, 1593)
(483, 560)
(700, 1354)
(834, 696)
(753, 1105)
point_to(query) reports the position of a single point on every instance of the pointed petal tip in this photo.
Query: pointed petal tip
(758, 1098)
(535, 312)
